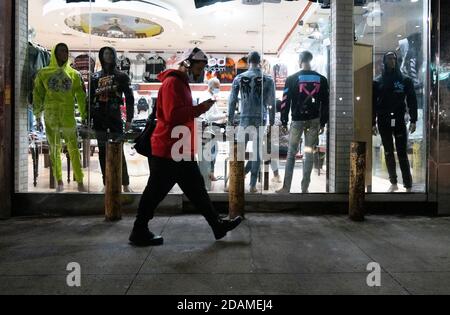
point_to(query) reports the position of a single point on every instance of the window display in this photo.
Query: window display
(55, 90)
(398, 33)
(146, 43)
(108, 88)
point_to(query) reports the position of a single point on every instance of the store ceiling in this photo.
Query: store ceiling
(224, 27)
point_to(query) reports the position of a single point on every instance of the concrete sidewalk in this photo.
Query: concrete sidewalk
(268, 254)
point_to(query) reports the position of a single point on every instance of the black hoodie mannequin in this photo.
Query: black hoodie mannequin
(107, 89)
(393, 94)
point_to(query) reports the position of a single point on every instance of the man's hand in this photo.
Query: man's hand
(375, 131)
(412, 128)
(127, 126)
(284, 129)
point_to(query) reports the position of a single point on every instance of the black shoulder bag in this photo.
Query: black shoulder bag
(143, 144)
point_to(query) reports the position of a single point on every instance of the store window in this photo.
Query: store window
(67, 128)
(397, 31)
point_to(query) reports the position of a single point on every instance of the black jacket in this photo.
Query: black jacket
(307, 95)
(393, 94)
(106, 92)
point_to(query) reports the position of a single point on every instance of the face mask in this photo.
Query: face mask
(216, 91)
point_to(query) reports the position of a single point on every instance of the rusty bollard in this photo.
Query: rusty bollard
(357, 181)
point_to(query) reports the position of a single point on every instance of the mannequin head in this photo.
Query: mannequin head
(390, 61)
(108, 56)
(62, 54)
(254, 59)
(305, 59)
(108, 59)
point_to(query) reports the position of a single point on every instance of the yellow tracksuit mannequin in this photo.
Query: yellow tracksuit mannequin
(56, 89)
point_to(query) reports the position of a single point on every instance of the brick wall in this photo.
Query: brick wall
(341, 94)
(20, 123)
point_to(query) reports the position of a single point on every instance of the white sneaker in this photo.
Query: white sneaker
(282, 191)
(127, 189)
(60, 188)
(81, 188)
(276, 179)
(393, 188)
(253, 190)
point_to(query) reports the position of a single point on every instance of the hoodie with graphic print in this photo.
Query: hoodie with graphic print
(55, 91)
(107, 91)
(307, 96)
(393, 95)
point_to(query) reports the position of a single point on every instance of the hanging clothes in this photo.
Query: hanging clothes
(37, 58)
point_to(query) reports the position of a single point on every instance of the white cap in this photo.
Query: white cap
(193, 54)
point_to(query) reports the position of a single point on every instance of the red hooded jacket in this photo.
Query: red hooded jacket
(174, 108)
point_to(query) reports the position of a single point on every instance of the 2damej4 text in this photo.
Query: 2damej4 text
(226, 305)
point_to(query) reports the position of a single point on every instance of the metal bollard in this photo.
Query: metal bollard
(237, 185)
(357, 181)
(113, 181)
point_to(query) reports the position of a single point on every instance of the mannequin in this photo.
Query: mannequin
(108, 87)
(307, 96)
(55, 90)
(393, 95)
(257, 92)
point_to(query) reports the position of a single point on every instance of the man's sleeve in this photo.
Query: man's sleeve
(232, 102)
(174, 105)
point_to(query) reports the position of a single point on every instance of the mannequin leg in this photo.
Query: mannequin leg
(401, 143)
(70, 137)
(388, 143)
(54, 141)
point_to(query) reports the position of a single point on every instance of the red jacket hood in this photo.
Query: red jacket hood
(172, 72)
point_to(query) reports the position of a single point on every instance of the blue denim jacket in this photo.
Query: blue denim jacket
(257, 92)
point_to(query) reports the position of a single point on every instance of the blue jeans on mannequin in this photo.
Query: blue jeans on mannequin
(254, 165)
(310, 128)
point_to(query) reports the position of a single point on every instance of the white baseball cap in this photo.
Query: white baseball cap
(193, 54)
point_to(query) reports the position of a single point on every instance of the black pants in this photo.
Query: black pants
(102, 139)
(164, 174)
(400, 134)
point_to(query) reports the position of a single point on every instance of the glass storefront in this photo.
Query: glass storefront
(400, 27)
(149, 37)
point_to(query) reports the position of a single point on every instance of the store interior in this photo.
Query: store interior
(150, 35)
